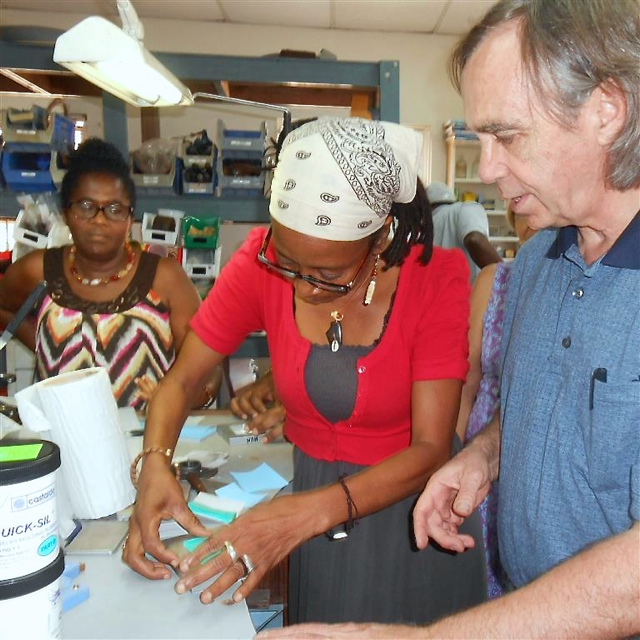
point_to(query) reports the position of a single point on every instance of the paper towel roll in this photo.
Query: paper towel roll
(79, 410)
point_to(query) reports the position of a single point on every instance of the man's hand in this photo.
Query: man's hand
(451, 494)
(315, 631)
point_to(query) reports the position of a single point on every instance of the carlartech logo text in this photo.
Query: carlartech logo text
(31, 500)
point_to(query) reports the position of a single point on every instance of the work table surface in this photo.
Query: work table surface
(123, 604)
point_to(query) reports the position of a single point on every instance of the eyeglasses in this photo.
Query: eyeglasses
(87, 209)
(319, 284)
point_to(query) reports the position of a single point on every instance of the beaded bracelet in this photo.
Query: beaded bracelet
(133, 471)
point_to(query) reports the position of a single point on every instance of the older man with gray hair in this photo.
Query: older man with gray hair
(552, 88)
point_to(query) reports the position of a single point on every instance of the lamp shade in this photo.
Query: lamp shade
(106, 56)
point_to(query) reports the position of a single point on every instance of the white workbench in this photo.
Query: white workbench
(123, 604)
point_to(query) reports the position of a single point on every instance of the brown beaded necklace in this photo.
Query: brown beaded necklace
(95, 282)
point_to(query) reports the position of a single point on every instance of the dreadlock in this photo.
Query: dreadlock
(414, 225)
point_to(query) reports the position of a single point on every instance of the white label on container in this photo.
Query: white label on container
(192, 188)
(239, 143)
(28, 527)
(36, 615)
(150, 179)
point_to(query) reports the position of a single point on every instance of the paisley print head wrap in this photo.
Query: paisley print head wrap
(336, 179)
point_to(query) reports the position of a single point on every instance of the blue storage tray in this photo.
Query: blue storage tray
(249, 186)
(242, 143)
(36, 136)
(200, 188)
(161, 184)
(27, 172)
(232, 192)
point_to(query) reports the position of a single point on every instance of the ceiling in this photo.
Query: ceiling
(444, 17)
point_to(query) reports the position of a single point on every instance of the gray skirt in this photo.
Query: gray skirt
(377, 574)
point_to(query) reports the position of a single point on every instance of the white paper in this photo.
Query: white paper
(80, 413)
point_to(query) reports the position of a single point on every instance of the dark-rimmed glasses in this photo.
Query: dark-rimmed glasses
(88, 209)
(293, 275)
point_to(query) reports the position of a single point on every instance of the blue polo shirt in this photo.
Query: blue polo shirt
(570, 400)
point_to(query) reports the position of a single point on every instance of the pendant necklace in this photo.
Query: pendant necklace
(334, 332)
(94, 282)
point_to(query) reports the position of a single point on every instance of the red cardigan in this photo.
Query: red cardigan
(425, 339)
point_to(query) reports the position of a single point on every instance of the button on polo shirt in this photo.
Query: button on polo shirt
(569, 475)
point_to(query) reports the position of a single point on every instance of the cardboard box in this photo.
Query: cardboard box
(161, 236)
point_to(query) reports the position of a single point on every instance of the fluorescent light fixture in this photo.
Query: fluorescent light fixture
(117, 61)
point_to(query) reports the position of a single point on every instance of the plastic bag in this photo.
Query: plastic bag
(156, 156)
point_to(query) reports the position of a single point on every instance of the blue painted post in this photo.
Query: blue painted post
(389, 91)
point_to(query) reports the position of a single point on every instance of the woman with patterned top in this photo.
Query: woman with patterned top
(481, 392)
(368, 345)
(107, 303)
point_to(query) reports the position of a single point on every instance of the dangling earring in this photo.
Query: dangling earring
(371, 287)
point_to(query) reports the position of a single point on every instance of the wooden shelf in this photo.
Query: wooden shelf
(468, 150)
(227, 209)
(503, 238)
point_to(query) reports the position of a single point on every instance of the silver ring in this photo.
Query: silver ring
(233, 554)
(248, 564)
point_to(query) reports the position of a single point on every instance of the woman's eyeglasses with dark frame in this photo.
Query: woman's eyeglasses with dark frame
(319, 284)
(87, 209)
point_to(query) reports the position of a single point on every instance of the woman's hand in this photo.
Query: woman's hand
(258, 403)
(146, 387)
(159, 498)
(267, 533)
(269, 423)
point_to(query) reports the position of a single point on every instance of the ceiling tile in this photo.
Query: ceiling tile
(388, 15)
(84, 7)
(423, 16)
(284, 13)
(461, 15)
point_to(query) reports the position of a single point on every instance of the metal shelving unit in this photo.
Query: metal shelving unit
(382, 77)
(499, 233)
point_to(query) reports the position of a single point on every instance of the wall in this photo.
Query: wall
(426, 95)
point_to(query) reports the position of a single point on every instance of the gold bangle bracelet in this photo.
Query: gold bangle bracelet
(133, 470)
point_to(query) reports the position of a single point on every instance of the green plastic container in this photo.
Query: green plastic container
(200, 233)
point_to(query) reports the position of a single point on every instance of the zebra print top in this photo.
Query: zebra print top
(130, 336)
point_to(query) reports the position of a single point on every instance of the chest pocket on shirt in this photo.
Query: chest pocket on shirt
(614, 441)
